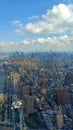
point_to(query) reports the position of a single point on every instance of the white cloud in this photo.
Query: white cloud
(19, 31)
(26, 42)
(17, 23)
(34, 17)
(64, 42)
(59, 19)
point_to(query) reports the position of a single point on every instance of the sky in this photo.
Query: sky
(30, 25)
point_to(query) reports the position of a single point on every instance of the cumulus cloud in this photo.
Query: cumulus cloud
(34, 17)
(26, 42)
(59, 19)
(17, 23)
(64, 42)
(56, 40)
(19, 31)
(19, 28)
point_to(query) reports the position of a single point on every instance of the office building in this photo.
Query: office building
(24, 90)
(62, 96)
(59, 119)
(28, 104)
(15, 81)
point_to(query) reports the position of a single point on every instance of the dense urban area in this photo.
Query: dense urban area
(36, 91)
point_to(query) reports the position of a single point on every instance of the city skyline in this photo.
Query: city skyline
(36, 25)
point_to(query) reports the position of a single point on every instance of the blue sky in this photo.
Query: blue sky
(27, 25)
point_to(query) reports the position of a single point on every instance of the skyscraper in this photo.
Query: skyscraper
(59, 119)
(24, 90)
(29, 104)
(15, 80)
(62, 96)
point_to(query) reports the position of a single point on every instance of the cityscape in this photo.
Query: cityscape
(36, 65)
(36, 91)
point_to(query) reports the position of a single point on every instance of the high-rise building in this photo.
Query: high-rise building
(17, 115)
(29, 104)
(62, 96)
(15, 81)
(24, 90)
(59, 119)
